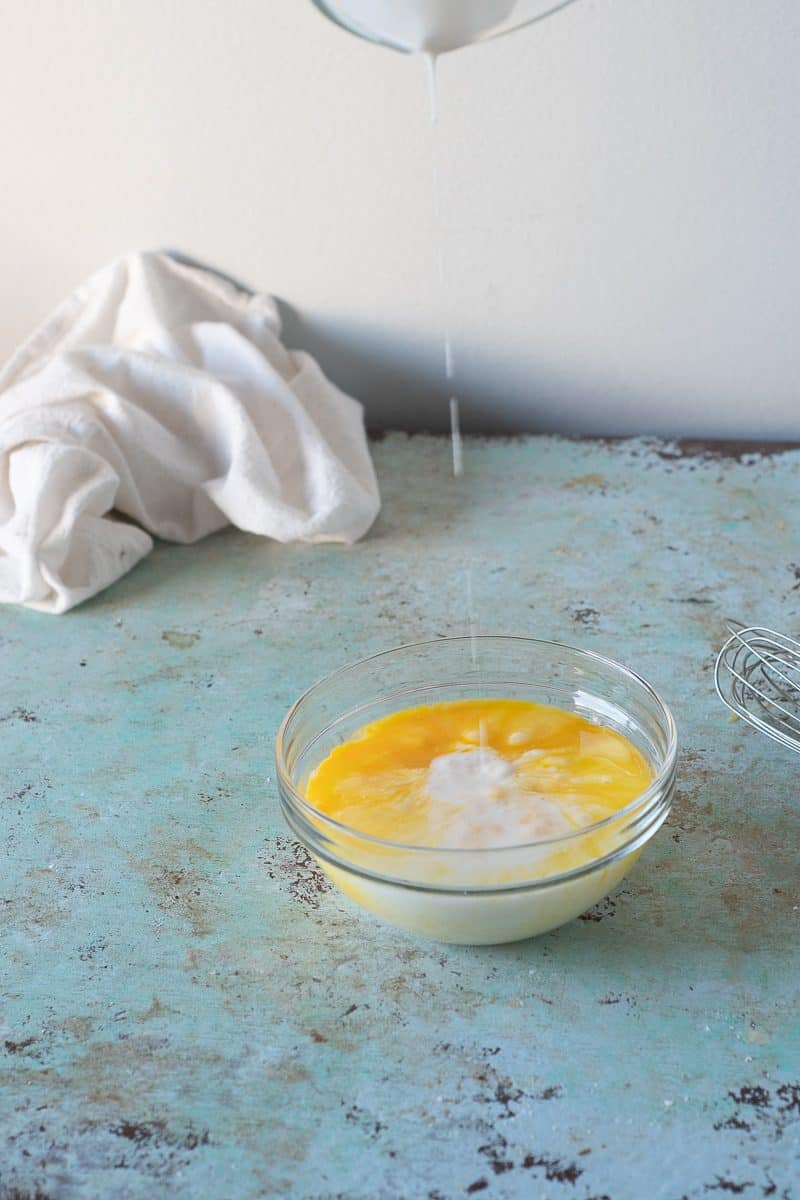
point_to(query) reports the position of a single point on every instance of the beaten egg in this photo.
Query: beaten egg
(478, 774)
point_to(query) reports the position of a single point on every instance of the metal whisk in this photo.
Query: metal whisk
(758, 676)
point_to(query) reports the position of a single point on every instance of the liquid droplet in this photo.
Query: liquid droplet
(455, 437)
(430, 71)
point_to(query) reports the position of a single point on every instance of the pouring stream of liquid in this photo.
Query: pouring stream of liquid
(449, 365)
(455, 423)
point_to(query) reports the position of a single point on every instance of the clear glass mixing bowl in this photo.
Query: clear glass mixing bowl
(494, 895)
(435, 26)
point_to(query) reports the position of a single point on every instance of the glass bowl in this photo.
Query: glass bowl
(473, 896)
(435, 26)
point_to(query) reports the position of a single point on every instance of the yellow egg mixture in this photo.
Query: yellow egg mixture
(474, 774)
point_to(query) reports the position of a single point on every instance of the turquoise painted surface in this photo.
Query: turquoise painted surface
(188, 1010)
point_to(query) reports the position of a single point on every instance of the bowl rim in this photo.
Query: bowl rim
(642, 801)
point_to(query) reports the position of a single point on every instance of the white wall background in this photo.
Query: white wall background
(621, 184)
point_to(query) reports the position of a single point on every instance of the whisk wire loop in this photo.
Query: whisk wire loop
(757, 675)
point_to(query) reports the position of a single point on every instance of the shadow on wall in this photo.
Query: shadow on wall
(391, 376)
(399, 378)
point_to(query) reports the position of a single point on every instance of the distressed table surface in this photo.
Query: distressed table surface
(188, 1010)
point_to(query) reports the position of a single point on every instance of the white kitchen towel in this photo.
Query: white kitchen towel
(160, 392)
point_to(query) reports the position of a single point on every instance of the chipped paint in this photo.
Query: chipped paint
(188, 1008)
(178, 640)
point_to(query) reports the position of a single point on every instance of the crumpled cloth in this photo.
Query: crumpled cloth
(161, 393)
